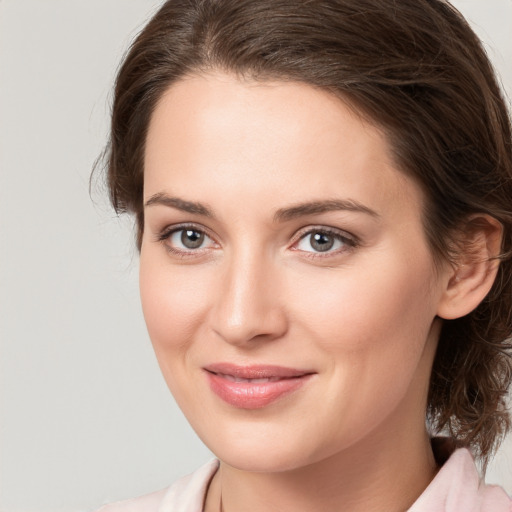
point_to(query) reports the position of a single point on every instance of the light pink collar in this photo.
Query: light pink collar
(455, 488)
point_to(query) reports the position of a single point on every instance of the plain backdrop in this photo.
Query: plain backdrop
(86, 417)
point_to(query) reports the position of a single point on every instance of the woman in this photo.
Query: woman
(323, 200)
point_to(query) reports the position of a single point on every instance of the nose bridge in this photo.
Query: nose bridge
(248, 304)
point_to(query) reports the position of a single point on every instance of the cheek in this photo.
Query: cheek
(371, 328)
(173, 302)
(380, 311)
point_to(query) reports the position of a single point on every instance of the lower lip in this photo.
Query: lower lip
(248, 395)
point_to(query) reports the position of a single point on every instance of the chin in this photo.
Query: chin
(256, 459)
(262, 450)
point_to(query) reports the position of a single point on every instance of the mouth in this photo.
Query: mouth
(254, 387)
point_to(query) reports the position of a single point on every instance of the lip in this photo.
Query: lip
(255, 386)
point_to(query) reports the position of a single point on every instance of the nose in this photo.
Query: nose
(248, 306)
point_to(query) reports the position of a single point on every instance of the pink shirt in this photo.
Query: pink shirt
(455, 488)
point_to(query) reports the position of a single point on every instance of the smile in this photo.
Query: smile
(254, 387)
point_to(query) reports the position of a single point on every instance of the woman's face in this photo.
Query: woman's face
(286, 281)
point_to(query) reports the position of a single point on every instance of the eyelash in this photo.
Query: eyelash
(349, 241)
(166, 233)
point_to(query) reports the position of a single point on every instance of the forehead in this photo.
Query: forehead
(231, 136)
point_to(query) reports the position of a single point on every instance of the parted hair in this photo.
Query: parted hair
(415, 69)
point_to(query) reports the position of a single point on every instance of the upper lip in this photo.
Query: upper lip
(258, 371)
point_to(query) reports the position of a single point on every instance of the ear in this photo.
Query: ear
(468, 280)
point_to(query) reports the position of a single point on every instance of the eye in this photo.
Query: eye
(185, 239)
(324, 241)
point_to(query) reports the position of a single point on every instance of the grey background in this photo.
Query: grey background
(85, 416)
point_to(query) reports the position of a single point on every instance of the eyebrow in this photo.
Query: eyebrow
(316, 207)
(281, 215)
(179, 204)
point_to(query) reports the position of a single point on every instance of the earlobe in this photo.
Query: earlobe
(470, 278)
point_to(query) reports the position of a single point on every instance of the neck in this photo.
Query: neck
(369, 477)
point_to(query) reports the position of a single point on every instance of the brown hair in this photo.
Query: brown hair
(418, 71)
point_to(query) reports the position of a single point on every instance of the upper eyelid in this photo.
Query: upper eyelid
(301, 233)
(172, 228)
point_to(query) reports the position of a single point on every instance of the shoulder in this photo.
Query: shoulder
(494, 499)
(147, 503)
(186, 494)
(457, 486)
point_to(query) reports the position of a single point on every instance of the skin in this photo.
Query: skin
(362, 316)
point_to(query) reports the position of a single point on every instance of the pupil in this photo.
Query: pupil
(321, 242)
(192, 239)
